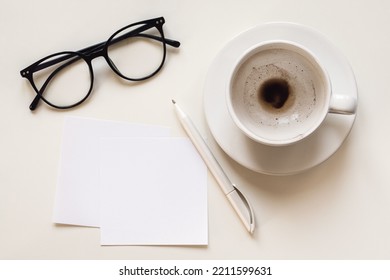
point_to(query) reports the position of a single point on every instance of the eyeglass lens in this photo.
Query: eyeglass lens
(65, 83)
(139, 56)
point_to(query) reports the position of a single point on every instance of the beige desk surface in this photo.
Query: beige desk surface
(338, 210)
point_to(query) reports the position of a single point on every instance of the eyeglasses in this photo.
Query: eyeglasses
(135, 53)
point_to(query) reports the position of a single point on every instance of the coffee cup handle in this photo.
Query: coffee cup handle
(343, 104)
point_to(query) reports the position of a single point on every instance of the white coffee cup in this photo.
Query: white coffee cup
(279, 93)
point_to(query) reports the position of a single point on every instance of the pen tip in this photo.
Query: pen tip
(173, 101)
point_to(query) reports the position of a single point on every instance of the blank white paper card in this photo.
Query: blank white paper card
(153, 192)
(78, 193)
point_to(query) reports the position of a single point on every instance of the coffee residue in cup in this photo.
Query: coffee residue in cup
(275, 92)
(275, 88)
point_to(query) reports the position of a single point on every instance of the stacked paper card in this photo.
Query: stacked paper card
(136, 183)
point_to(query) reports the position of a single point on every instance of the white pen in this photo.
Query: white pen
(237, 199)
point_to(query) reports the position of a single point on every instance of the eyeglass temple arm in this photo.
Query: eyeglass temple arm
(138, 32)
(99, 46)
(170, 42)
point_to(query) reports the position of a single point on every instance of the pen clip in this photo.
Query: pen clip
(249, 208)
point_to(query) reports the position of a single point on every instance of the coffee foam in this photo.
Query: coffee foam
(298, 113)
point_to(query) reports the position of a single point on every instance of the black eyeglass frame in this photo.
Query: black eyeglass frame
(92, 52)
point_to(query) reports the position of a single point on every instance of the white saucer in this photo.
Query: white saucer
(287, 159)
